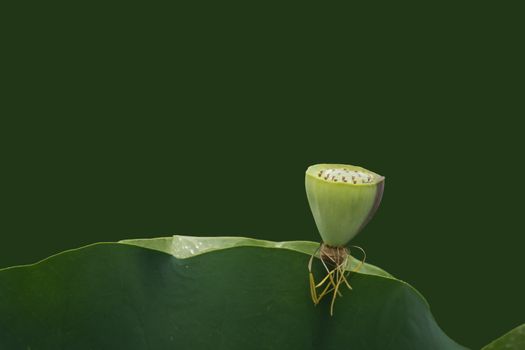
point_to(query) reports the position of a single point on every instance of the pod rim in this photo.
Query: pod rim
(313, 170)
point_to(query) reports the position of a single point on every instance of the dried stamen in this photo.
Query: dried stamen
(335, 261)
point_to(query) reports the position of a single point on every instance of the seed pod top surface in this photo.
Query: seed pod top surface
(343, 198)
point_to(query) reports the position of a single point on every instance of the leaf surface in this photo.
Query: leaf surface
(160, 295)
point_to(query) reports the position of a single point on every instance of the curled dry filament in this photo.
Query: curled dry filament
(336, 261)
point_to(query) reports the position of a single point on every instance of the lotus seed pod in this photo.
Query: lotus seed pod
(343, 199)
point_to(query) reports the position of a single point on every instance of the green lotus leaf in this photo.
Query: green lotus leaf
(513, 340)
(204, 293)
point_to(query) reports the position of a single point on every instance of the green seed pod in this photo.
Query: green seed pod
(343, 199)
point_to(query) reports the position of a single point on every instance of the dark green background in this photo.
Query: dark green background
(143, 122)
